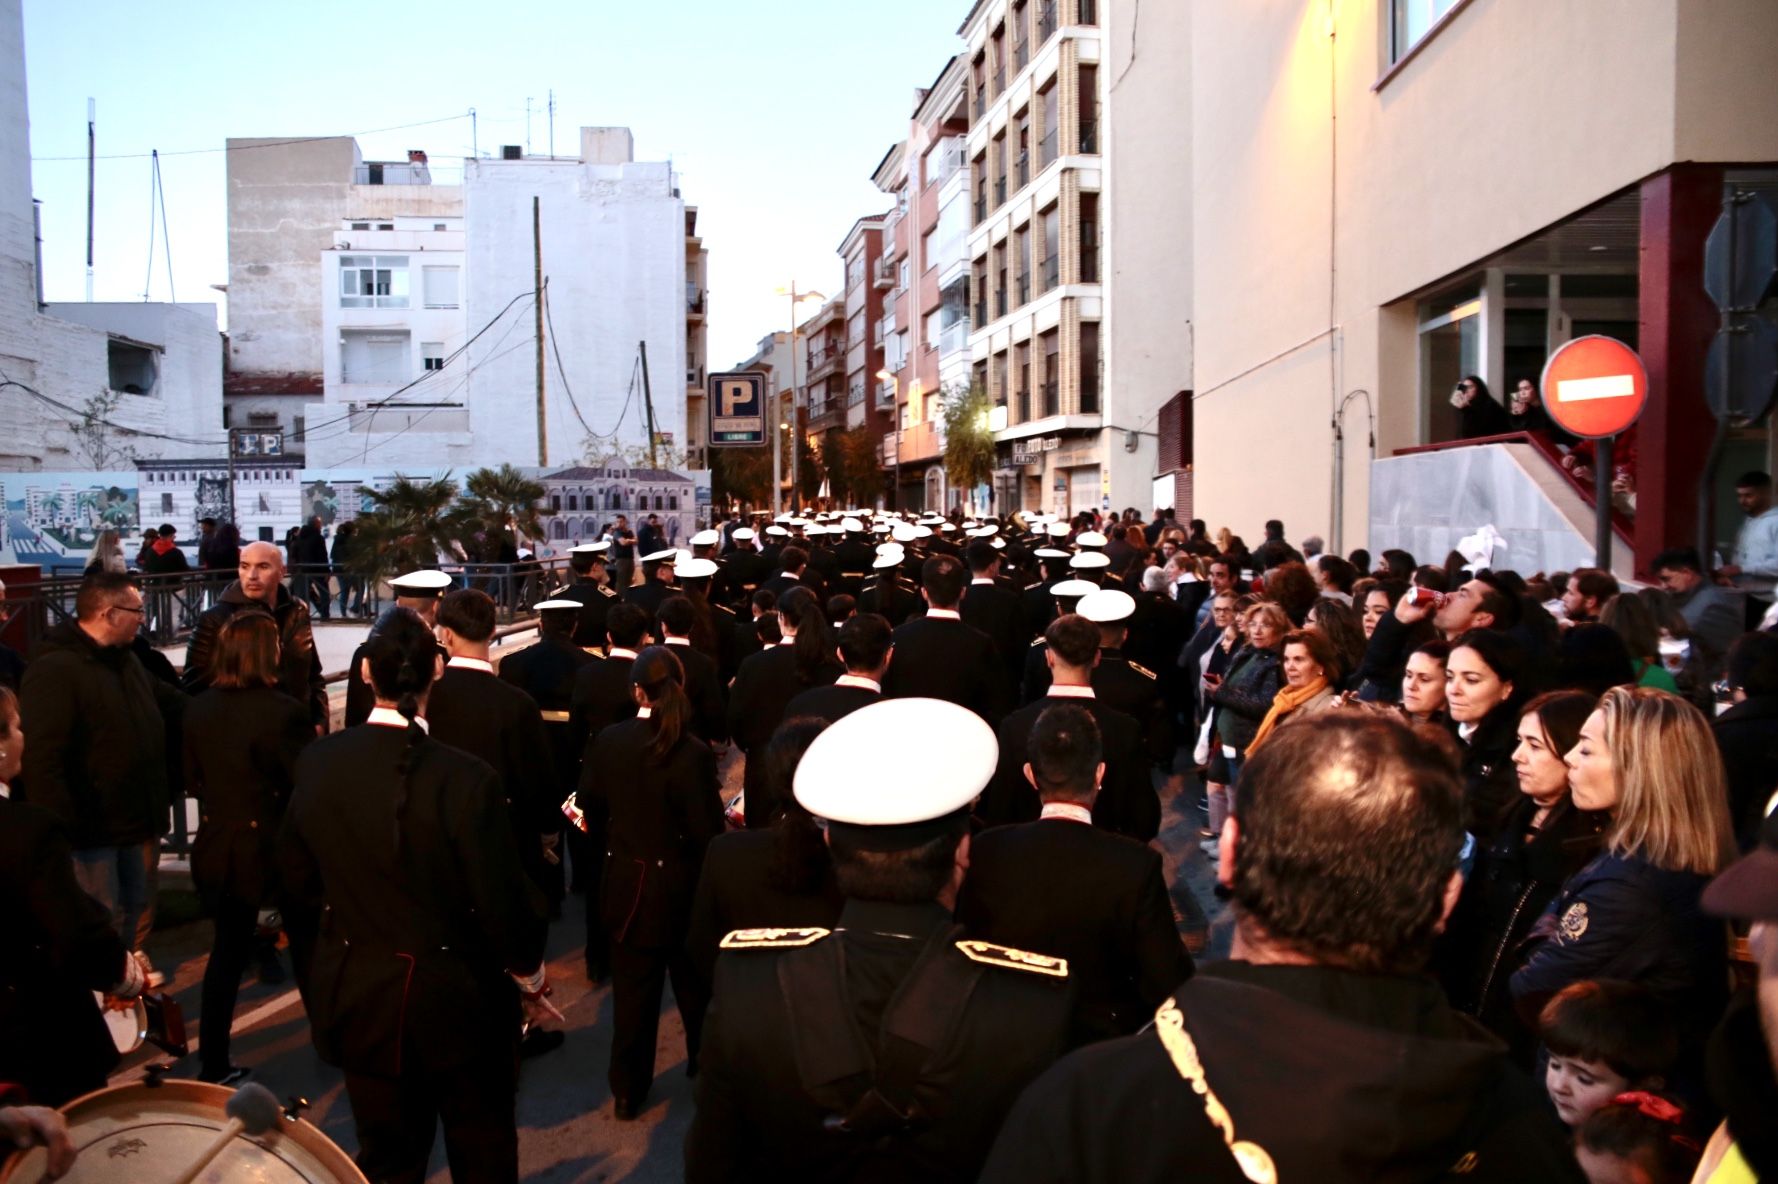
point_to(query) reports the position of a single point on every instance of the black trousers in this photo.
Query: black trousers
(232, 949)
(398, 1117)
(637, 979)
(589, 872)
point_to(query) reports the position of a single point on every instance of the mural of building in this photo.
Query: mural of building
(582, 501)
(268, 496)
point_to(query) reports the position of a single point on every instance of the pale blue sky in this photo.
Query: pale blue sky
(773, 111)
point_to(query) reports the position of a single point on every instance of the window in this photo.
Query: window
(385, 226)
(1089, 367)
(265, 504)
(297, 429)
(1022, 380)
(1022, 255)
(131, 368)
(1052, 247)
(361, 226)
(1052, 373)
(1022, 149)
(166, 503)
(1046, 147)
(374, 357)
(574, 501)
(438, 226)
(1089, 109)
(927, 242)
(1411, 20)
(1089, 238)
(854, 271)
(432, 355)
(1000, 308)
(440, 285)
(855, 328)
(903, 275)
(373, 281)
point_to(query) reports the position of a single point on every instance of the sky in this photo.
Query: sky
(774, 113)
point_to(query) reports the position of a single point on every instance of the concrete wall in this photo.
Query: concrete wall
(614, 252)
(18, 273)
(1515, 115)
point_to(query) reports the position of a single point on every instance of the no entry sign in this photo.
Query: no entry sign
(1594, 387)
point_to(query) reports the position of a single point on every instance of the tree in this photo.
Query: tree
(406, 528)
(854, 473)
(501, 500)
(95, 434)
(969, 443)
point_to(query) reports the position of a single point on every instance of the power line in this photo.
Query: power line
(267, 144)
(555, 348)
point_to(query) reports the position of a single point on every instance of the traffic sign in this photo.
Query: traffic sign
(1594, 386)
(1741, 254)
(1741, 370)
(737, 410)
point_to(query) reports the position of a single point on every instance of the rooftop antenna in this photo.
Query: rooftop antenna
(91, 119)
(552, 123)
(527, 125)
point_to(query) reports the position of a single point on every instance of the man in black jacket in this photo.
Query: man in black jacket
(545, 672)
(657, 581)
(939, 657)
(260, 586)
(591, 588)
(418, 590)
(1746, 733)
(97, 759)
(1127, 803)
(996, 610)
(1065, 887)
(1342, 861)
(866, 646)
(704, 684)
(1130, 687)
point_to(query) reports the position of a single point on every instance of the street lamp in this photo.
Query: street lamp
(886, 376)
(796, 298)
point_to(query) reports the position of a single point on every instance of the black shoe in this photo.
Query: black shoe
(231, 1076)
(624, 1109)
(596, 974)
(538, 1041)
(271, 967)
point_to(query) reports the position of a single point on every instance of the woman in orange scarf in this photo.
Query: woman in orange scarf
(1310, 670)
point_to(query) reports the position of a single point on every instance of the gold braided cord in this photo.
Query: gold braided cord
(1253, 1160)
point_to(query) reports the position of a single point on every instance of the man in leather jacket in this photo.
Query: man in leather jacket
(260, 587)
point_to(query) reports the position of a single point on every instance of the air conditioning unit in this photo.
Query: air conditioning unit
(512, 152)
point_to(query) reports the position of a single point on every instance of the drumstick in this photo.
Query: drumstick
(252, 1111)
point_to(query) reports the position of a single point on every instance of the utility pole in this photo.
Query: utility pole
(91, 118)
(527, 125)
(647, 402)
(537, 306)
(552, 124)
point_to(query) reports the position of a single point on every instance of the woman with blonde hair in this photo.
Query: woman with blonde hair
(1243, 697)
(1311, 672)
(107, 553)
(1646, 758)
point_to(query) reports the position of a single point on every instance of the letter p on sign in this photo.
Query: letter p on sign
(734, 394)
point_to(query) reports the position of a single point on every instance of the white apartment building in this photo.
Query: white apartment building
(614, 256)
(391, 304)
(159, 365)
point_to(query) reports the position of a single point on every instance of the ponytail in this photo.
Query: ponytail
(403, 657)
(658, 674)
(814, 635)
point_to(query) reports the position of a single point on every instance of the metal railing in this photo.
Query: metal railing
(1052, 398)
(1046, 149)
(1052, 272)
(1046, 20)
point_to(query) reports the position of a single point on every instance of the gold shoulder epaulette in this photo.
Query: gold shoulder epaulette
(990, 954)
(772, 939)
(606, 590)
(1038, 584)
(554, 717)
(1036, 641)
(1143, 670)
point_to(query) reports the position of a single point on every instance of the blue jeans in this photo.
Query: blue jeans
(124, 880)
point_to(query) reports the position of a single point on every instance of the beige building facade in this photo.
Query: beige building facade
(1388, 195)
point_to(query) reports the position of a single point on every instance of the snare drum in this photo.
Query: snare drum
(143, 1132)
(128, 1027)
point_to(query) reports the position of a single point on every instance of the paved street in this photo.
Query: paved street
(567, 1133)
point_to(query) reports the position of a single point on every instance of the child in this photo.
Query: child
(1604, 1038)
(1636, 1138)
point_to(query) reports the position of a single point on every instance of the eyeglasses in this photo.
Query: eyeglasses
(129, 608)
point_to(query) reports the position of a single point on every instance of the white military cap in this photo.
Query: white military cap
(1073, 588)
(922, 532)
(422, 585)
(901, 532)
(801, 522)
(777, 532)
(1106, 606)
(879, 527)
(706, 538)
(1090, 538)
(997, 544)
(590, 549)
(1057, 530)
(668, 555)
(944, 526)
(785, 517)
(814, 529)
(853, 525)
(900, 797)
(1088, 560)
(694, 569)
(888, 558)
(553, 605)
(744, 534)
(1050, 553)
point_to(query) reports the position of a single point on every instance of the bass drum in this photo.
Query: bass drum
(146, 1133)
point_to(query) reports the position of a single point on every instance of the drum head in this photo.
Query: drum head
(129, 1027)
(139, 1132)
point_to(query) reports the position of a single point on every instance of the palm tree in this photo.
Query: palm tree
(406, 528)
(505, 499)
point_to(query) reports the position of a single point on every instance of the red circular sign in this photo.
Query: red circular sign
(1594, 387)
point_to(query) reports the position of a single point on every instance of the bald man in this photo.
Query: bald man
(259, 587)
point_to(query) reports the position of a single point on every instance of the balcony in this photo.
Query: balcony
(1000, 302)
(694, 300)
(1052, 398)
(981, 99)
(1089, 255)
(981, 311)
(1046, 149)
(1022, 171)
(886, 396)
(1021, 55)
(883, 274)
(1046, 20)
(920, 442)
(1022, 402)
(1023, 290)
(1089, 136)
(999, 192)
(981, 203)
(953, 337)
(1052, 272)
(999, 80)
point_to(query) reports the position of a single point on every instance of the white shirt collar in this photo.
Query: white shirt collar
(678, 641)
(472, 664)
(981, 580)
(943, 614)
(1060, 691)
(1067, 811)
(858, 680)
(1465, 731)
(5, 790)
(618, 651)
(388, 717)
(644, 712)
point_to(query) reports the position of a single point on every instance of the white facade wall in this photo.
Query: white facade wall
(613, 234)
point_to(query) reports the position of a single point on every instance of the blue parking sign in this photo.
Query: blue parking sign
(737, 410)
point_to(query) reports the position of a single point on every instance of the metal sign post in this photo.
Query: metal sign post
(1596, 387)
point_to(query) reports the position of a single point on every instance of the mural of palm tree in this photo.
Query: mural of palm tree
(504, 499)
(406, 528)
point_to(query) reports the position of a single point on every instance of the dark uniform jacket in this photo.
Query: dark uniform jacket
(360, 697)
(996, 611)
(1135, 690)
(943, 658)
(783, 582)
(650, 594)
(764, 687)
(601, 697)
(595, 600)
(476, 712)
(831, 703)
(1337, 1077)
(743, 886)
(60, 948)
(705, 687)
(1127, 802)
(98, 728)
(663, 812)
(405, 951)
(1747, 734)
(299, 666)
(890, 599)
(240, 751)
(1039, 605)
(796, 1025)
(1108, 915)
(853, 559)
(545, 672)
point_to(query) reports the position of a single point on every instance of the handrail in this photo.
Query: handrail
(1621, 524)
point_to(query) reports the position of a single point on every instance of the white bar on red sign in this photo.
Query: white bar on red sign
(1610, 386)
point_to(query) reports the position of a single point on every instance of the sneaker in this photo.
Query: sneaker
(152, 979)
